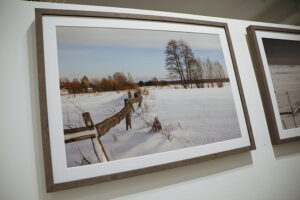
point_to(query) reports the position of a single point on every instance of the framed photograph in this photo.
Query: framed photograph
(123, 95)
(276, 59)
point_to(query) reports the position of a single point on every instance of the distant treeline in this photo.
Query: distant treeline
(153, 82)
(210, 82)
(118, 81)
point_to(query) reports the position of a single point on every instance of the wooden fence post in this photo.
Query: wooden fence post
(88, 120)
(128, 115)
(140, 102)
(99, 150)
(97, 144)
(291, 106)
(129, 94)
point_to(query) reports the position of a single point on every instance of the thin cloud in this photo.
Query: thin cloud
(87, 36)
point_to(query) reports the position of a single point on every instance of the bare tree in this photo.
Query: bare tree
(188, 59)
(183, 65)
(85, 83)
(155, 81)
(210, 72)
(178, 61)
(220, 74)
(130, 78)
(64, 83)
(197, 72)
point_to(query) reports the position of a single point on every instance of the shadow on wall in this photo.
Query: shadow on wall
(127, 186)
(287, 150)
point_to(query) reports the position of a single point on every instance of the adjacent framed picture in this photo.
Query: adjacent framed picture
(276, 59)
(123, 95)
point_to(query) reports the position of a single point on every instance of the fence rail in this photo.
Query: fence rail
(104, 126)
(75, 130)
(83, 137)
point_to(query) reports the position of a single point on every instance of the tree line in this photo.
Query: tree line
(183, 65)
(118, 81)
(153, 82)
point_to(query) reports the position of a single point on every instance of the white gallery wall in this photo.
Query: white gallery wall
(268, 173)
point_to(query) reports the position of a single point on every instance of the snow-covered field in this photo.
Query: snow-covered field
(189, 117)
(286, 82)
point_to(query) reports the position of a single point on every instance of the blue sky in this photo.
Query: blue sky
(99, 52)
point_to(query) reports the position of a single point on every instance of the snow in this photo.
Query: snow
(189, 117)
(286, 82)
(75, 149)
(100, 106)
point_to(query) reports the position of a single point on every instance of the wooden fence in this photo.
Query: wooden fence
(104, 126)
(95, 131)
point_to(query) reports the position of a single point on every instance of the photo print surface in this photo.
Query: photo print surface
(128, 92)
(283, 57)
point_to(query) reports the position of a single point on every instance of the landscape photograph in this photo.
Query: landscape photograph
(127, 92)
(283, 58)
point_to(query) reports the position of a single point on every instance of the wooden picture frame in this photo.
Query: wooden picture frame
(50, 101)
(261, 53)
